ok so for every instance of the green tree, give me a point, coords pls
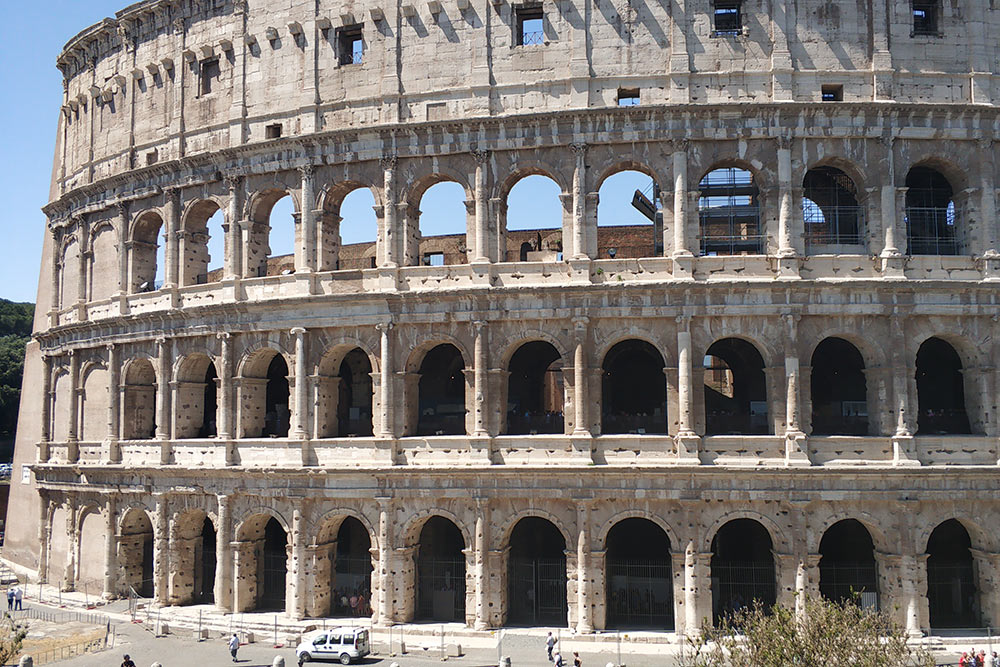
(828, 634)
(15, 332)
(12, 635)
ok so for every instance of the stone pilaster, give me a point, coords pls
(110, 550)
(224, 556)
(584, 600)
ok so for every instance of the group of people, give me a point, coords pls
(14, 597)
(980, 659)
(555, 656)
(353, 603)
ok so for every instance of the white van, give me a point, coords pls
(343, 644)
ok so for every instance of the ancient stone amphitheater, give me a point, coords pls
(784, 385)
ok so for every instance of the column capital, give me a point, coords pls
(480, 155)
(122, 208)
(580, 149)
(479, 325)
(233, 181)
(223, 335)
(297, 331)
(683, 322)
(679, 145)
(307, 170)
(388, 161)
(784, 142)
(580, 322)
(384, 327)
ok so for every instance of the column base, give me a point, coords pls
(893, 265)
(991, 266)
(904, 451)
(687, 446)
(579, 269)
(788, 267)
(388, 277)
(481, 271)
(481, 450)
(683, 267)
(583, 446)
(796, 449)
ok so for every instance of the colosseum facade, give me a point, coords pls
(785, 385)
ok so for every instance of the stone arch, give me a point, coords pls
(72, 267)
(442, 173)
(854, 170)
(193, 557)
(502, 537)
(91, 528)
(254, 518)
(196, 260)
(135, 550)
(616, 164)
(144, 242)
(635, 513)
(872, 351)
(195, 414)
(342, 572)
(332, 194)
(262, 200)
(418, 352)
(955, 173)
(139, 404)
(513, 343)
(335, 517)
(616, 336)
(981, 538)
(758, 174)
(866, 519)
(410, 534)
(966, 349)
(253, 362)
(259, 247)
(94, 379)
(772, 355)
(521, 170)
(345, 399)
(336, 348)
(778, 539)
(261, 577)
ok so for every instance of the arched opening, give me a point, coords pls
(440, 572)
(940, 390)
(358, 233)
(263, 391)
(443, 223)
(830, 210)
(634, 389)
(196, 398)
(536, 574)
(952, 593)
(629, 216)
(145, 254)
(272, 239)
(441, 389)
(135, 553)
(102, 270)
(638, 577)
(276, 412)
(930, 213)
(203, 244)
(204, 591)
(839, 389)
(272, 567)
(735, 389)
(742, 568)
(535, 390)
(534, 217)
(352, 578)
(729, 213)
(847, 567)
(354, 405)
(139, 408)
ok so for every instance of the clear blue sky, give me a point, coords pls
(36, 34)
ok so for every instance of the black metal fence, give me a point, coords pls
(640, 594)
(537, 591)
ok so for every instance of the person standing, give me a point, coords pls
(550, 643)
(127, 661)
(576, 659)
(10, 599)
(18, 596)
(234, 646)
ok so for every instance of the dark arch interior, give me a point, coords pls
(930, 213)
(735, 389)
(441, 572)
(276, 413)
(952, 593)
(354, 405)
(204, 589)
(940, 390)
(729, 213)
(536, 576)
(535, 390)
(839, 389)
(352, 578)
(136, 553)
(209, 427)
(742, 568)
(634, 389)
(847, 569)
(830, 208)
(639, 582)
(442, 392)
(272, 565)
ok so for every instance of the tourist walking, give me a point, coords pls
(18, 596)
(234, 646)
(127, 661)
(550, 643)
(10, 599)
(576, 659)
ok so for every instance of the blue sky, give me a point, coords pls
(36, 34)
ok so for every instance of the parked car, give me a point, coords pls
(343, 644)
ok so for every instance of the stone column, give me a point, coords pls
(161, 558)
(295, 606)
(307, 263)
(795, 439)
(300, 415)
(55, 286)
(114, 403)
(163, 430)
(69, 573)
(45, 436)
(390, 227)
(579, 205)
(988, 208)
(482, 578)
(584, 616)
(904, 450)
(224, 414)
(479, 379)
(385, 425)
(383, 612)
(988, 570)
(224, 556)
(680, 199)
(46, 507)
(72, 439)
(692, 580)
(233, 268)
(172, 234)
(687, 441)
(581, 419)
(124, 250)
(110, 552)
(482, 253)
(914, 584)
(786, 244)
